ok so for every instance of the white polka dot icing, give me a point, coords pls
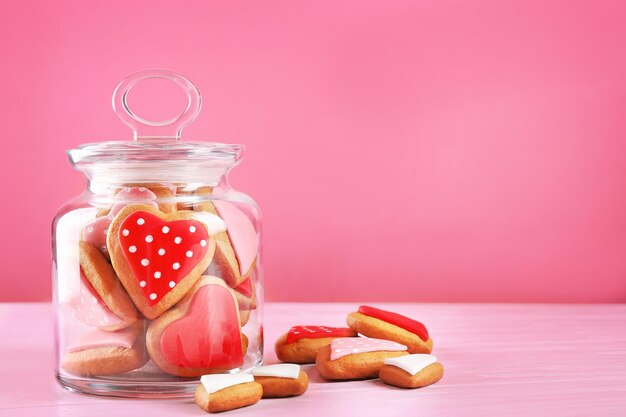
(281, 370)
(412, 364)
(344, 346)
(156, 249)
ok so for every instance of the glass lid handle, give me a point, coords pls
(148, 130)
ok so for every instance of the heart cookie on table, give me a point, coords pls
(100, 299)
(374, 322)
(201, 334)
(159, 257)
(236, 248)
(100, 353)
(301, 343)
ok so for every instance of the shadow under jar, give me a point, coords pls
(156, 267)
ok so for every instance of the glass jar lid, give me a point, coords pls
(156, 149)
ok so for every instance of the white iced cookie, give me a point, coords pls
(222, 392)
(281, 380)
(411, 371)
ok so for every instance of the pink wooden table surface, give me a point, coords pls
(500, 359)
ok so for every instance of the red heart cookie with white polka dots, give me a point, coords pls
(158, 256)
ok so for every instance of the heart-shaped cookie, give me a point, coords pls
(236, 248)
(99, 299)
(158, 256)
(201, 334)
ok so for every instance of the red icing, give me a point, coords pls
(245, 288)
(316, 332)
(157, 261)
(396, 319)
(208, 336)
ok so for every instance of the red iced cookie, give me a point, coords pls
(316, 332)
(158, 257)
(201, 334)
(399, 320)
(381, 324)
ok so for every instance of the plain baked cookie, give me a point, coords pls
(281, 380)
(158, 257)
(374, 322)
(223, 392)
(301, 343)
(411, 371)
(356, 357)
(100, 353)
(103, 289)
(201, 334)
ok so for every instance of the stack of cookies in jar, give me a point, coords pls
(162, 279)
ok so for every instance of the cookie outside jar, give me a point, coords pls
(157, 274)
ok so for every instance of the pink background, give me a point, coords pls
(400, 150)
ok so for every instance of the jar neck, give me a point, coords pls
(103, 179)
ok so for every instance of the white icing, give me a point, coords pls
(176, 266)
(213, 223)
(216, 382)
(177, 240)
(412, 363)
(281, 370)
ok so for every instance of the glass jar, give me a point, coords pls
(157, 272)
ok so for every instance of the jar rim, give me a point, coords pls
(154, 151)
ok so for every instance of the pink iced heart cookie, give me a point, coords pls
(89, 308)
(99, 353)
(237, 247)
(158, 256)
(95, 232)
(132, 195)
(99, 299)
(201, 334)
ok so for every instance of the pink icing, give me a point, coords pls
(89, 308)
(95, 233)
(130, 195)
(241, 233)
(98, 338)
(351, 345)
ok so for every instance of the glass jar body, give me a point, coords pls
(156, 284)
